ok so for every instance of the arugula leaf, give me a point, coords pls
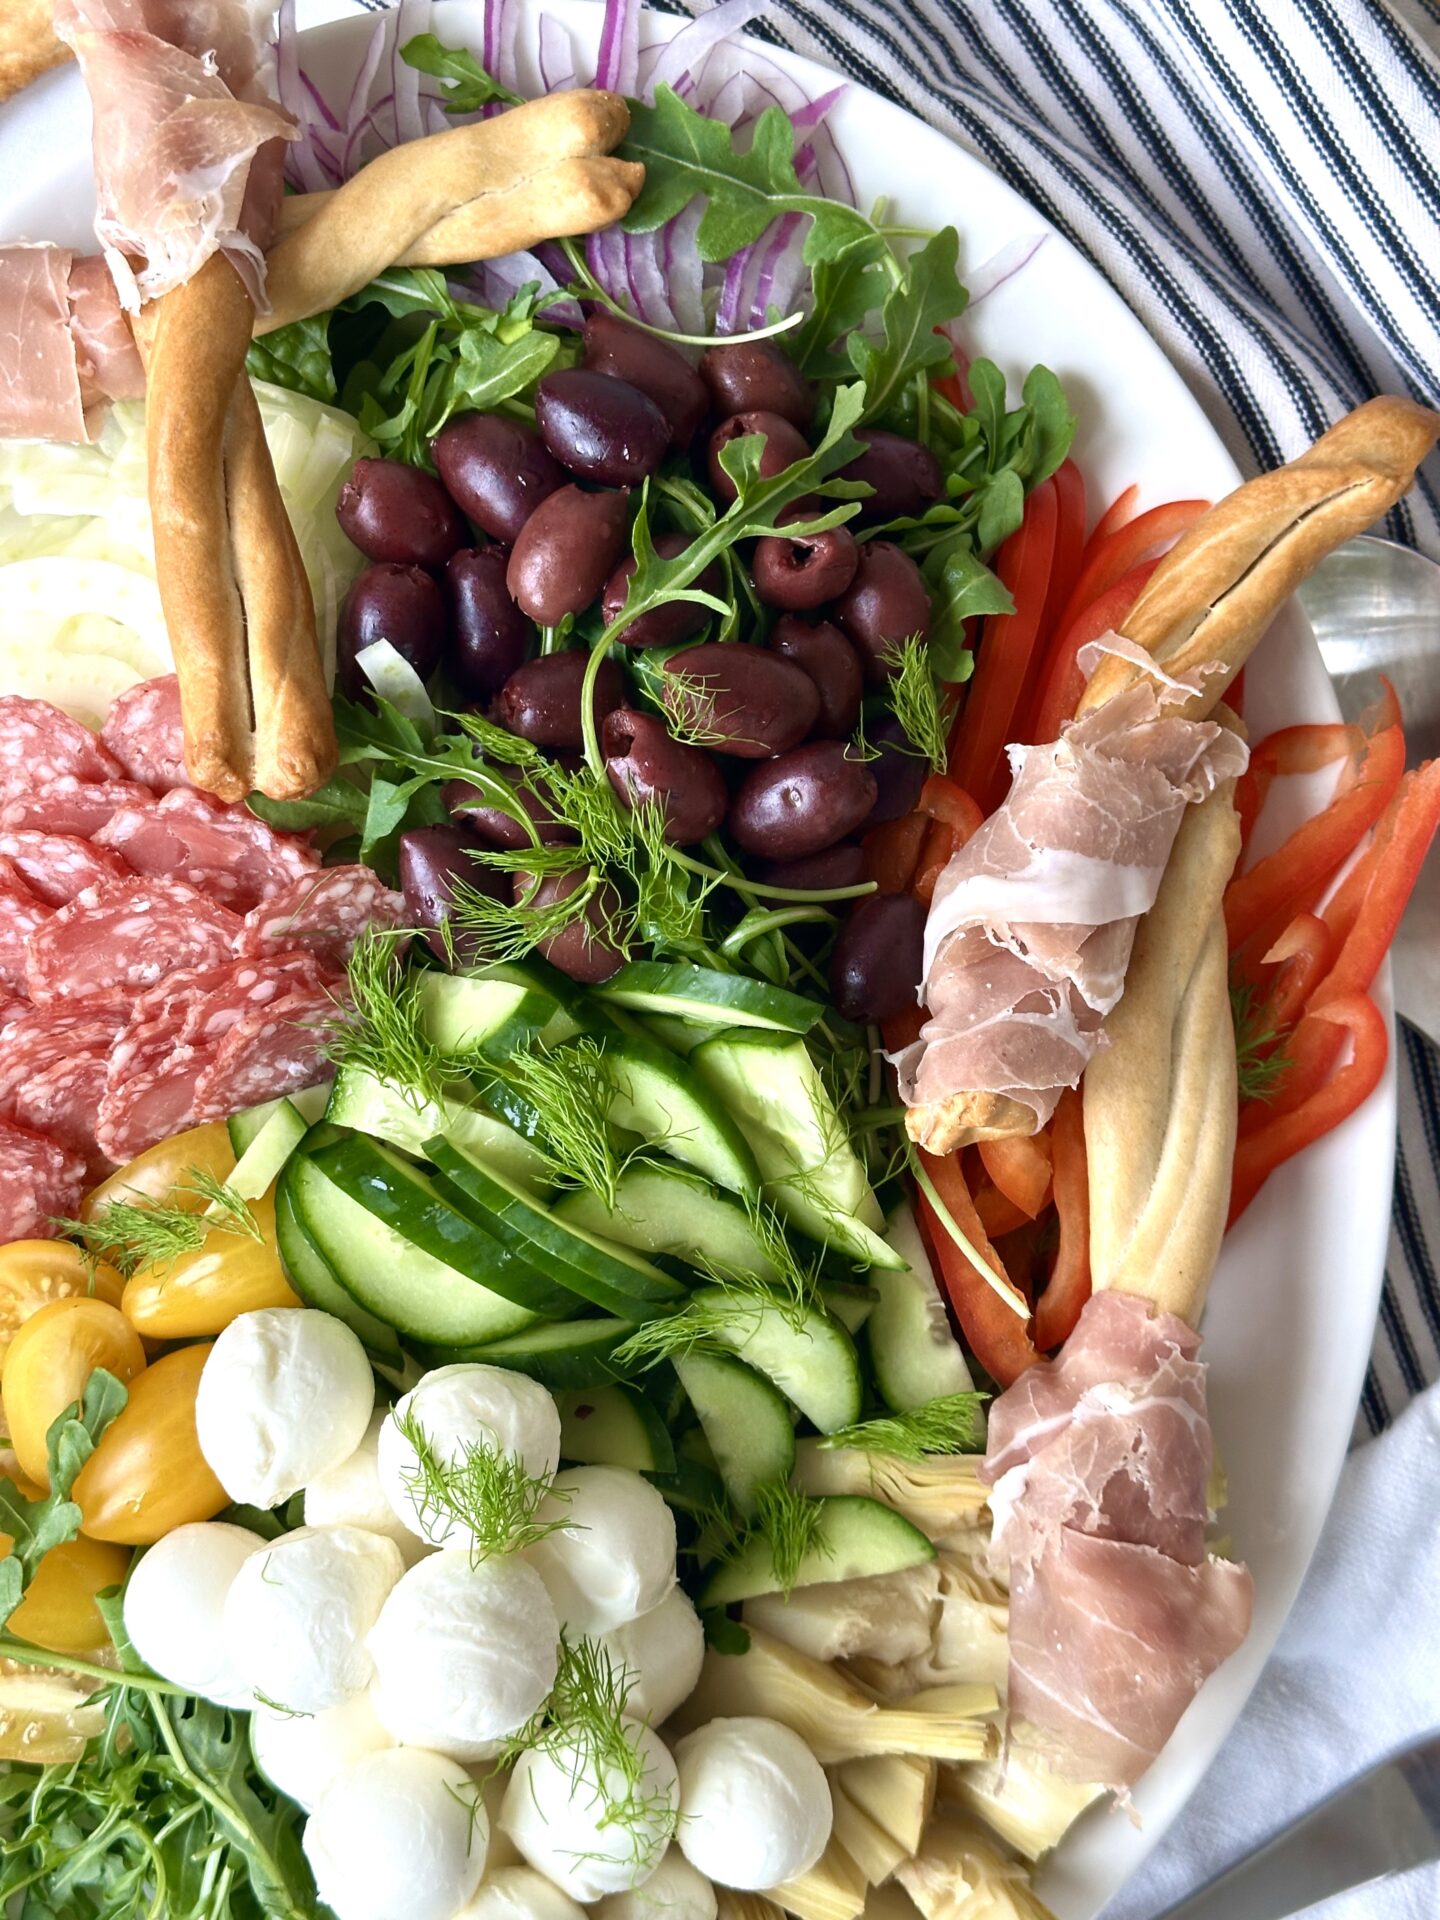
(296, 356)
(467, 86)
(35, 1526)
(339, 803)
(487, 370)
(928, 294)
(844, 289)
(961, 587)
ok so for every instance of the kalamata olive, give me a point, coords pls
(497, 828)
(899, 769)
(801, 803)
(886, 603)
(876, 965)
(389, 602)
(583, 949)
(802, 571)
(842, 866)
(784, 445)
(613, 346)
(394, 512)
(822, 651)
(541, 700)
(602, 428)
(433, 862)
(489, 636)
(753, 375)
(646, 767)
(742, 700)
(498, 470)
(906, 476)
(565, 552)
(676, 620)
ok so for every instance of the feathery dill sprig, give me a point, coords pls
(571, 1091)
(382, 1031)
(1261, 1061)
(789, 1523)
(913, 695)
(488, 1492)
(954, 1423)
(131, 1234)
(494, 742)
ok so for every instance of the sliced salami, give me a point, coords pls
(126, 935)
(57, 866)
(325, 914)
(39, 1036)
(10, 1012)
(254, 983)
(42, 1179)
(268, 1051)
(39, 743)
(67, 804)
(149, 1089)
(144, 733)
(63, 1103)
(228, 852)
(21, 916)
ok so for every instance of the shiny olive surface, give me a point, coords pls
(541, 700)
(493, 826)
(821, 650)
(784, 445)
(613, 346)
(754, 376)
(647, 767)
(664, 626)
(886, 603)
(433, 862)
(496, 469)
(842, 866)
(742, 700)
(801, 803)
(489, 635)
(582, 949)
(601, 428)
(391, 602)
(876, 964)
(802, 571)
(906, 476)
(899, 770)
(391, 511)
(566, 551)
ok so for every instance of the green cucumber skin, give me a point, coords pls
(562, 1355)
(914, 1357)
(701, 993)
(815, 1365)
(261, 1162)
(614, 1427)
(673, 1212)
(746, 1422)
(857, 1537)
(312, 1279)
(383, 1110)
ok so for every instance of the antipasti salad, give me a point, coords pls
(571, 1336)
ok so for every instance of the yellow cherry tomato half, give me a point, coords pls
(200, 1293)
(148, 1476)
(35, 1273)
(50, 1359)
(59, 1610)
(44, 1715)
(164, 1174)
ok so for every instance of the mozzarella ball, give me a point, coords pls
(757, 1803)
(399, 1832)
(519, 1893)
(675, 1891)
(464, 1654)
(661, 1653)
(284, 1396)
(458, 1409)
(350, 1495)
(613, 1556)
(562, 1815)
(175, 1608)
(298, 1614)
(301, 1753)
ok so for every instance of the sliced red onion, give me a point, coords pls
(411, 17)
(557, 56)
(732, 289)
(777, 282)
(307, 164)
(618, 64)
(395, 680)
(684, 269)
(671, 64)
(1003, 265)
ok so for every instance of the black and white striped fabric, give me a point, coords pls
(1260, 179)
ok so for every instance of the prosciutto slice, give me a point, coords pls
(1032, 922)
(65, 348)
(185, 163)
(1099, 1463)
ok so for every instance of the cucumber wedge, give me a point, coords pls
(666, 1210)
(309, 1103)
(913, 1354)
(811, 1360)
(851, 1305)
(496, 1012)
(559, 1354)
(745, 1420)
(407, 1120)
(313, 1281)
(613, 1427)
(259, 1165)
(681, 1036)
(856, 1538)
(658, 1096)
(703, 993)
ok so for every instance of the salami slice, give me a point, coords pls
(39, 1036)
(63, 1102)
(39, 743)
(326, 914)
(67, 804)
(248, 984)
(126, 935)
(57, 866)
(21, 916)
(144, 733)
(227, 852)
(268, 1051)
(149, 1089)
(42, 1179)
(10, 1012)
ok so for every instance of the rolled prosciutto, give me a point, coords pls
(1099, 1463)
(65, 346)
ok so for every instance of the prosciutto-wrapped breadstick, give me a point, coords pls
(65, 347)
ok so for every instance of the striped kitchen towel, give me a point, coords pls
(1260, 179)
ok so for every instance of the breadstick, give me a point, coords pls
(382, 211)
(574, 196)
(29, 44)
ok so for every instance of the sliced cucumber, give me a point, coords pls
(810, 1358)
(309, 1103)
(610, 1276)
(810, 1170)
(420, 1296)
(312, 1279)
(558, 1353)
(496, 1012)
(681, 1036)
(657, 1096)
(913, 1354)
(258, 1167)
(666, 1210)
(746, 1422)
(704, 993)
(613, 1427)
(692, 1489)
(851, 1306)
(406, 1119)
(401, 1194)
(856, 1537)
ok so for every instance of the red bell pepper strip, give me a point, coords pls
(1069, 487)
(1068, 1287)
(1111, 558)
(977, 743)
(1061, 682)
(950, 383)
(996, 1334)
(1392, 868)
(998, 1216)
(1302, 955)
(1284, 1134)
(1119, 513)
(953, 816)
(1304, 749)
(892, 852)
(1019, 1166)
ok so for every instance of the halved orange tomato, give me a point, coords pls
(36, 1273)
(50, 1359)
(199, 1293)
(162, 1175)
(147, 1475)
